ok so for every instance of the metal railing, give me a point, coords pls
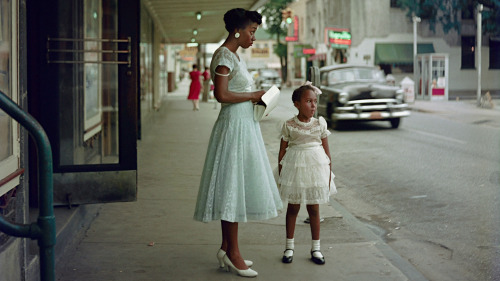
(44, 230)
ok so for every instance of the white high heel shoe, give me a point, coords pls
(220, 256)
(241, 272)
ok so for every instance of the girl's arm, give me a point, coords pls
(223, 95)
(283, 146)
(324, 143)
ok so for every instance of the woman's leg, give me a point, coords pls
(291, 218)
(230, 233)
(223, 246)
(313, 211)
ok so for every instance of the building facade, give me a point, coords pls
(380, 33)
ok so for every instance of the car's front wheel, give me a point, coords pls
(395, 122)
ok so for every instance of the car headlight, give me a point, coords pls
(400, 95)
(343, 97)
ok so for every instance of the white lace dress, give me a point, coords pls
(306, 177)
(237, 183)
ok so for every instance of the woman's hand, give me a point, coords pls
(257, 96)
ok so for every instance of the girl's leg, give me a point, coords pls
(313, 211)
(196, 104)
(230, 233)
(316, 255)
(291, 218)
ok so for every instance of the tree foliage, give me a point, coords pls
(448, 13)
(272, 13)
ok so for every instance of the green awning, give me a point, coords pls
(388, 53)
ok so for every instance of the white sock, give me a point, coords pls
(289, 246)
(316, 247)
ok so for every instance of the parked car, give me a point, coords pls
(359, 93)
(267, 78)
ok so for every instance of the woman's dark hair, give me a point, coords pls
(239, 18)
(297, 94)
(195, 66)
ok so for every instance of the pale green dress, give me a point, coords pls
(237, 183)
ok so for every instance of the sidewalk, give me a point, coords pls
(156, 238)
(463, 110)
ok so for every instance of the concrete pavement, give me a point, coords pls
(156, 238)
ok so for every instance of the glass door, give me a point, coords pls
(88, 98)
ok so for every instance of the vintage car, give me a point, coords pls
(359, 93)
(266, 78)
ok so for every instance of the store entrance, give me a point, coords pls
(82, 82)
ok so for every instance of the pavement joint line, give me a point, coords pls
(399, 262)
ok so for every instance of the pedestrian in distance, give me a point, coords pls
(195, 87)
(237, 183)
(206, 83)
(304, 170)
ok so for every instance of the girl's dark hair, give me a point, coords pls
(239, 18)
(297, 94)
(195, 66)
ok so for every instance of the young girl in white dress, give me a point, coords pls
(305, 175)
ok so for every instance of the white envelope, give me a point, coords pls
(269, 102)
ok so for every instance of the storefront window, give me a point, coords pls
(6, 141)
(146, 64)
(9, 146)
(88, 88)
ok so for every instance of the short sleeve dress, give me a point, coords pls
(195, 87)
(237, 183)
(306, 177)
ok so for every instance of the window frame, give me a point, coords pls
(10, 165)
(470, 62)
(494, 63)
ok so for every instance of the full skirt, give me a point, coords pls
(237, 183)
(306, 177)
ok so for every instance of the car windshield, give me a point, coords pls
(351, 74)
(268, 73)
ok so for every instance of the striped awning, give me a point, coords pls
(317, 57)
(388, 53)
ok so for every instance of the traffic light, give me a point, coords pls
(286, 15)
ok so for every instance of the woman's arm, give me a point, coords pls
(283, 146)
(223, 95)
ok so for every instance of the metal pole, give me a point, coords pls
(415, 21)
(479, 34)
(45, 228)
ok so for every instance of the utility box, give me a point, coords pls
(408, 88)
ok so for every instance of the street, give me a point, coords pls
(429, 189)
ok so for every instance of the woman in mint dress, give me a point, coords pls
(237, 183)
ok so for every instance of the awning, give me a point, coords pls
(387, 53)
(317, 57)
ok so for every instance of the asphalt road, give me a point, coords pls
(429, 188)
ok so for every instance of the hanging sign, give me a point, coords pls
(339, 38)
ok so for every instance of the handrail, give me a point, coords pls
(44, 230)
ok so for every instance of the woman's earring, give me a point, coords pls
(237, 35)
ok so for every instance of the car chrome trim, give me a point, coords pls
(384, 115)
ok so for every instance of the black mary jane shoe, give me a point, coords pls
(317, 260)
(286, 259)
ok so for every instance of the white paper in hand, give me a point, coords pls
(269, 102)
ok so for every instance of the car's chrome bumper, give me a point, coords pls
(371, 110)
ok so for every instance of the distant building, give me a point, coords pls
(380, 33)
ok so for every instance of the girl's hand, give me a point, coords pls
(256, 96)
